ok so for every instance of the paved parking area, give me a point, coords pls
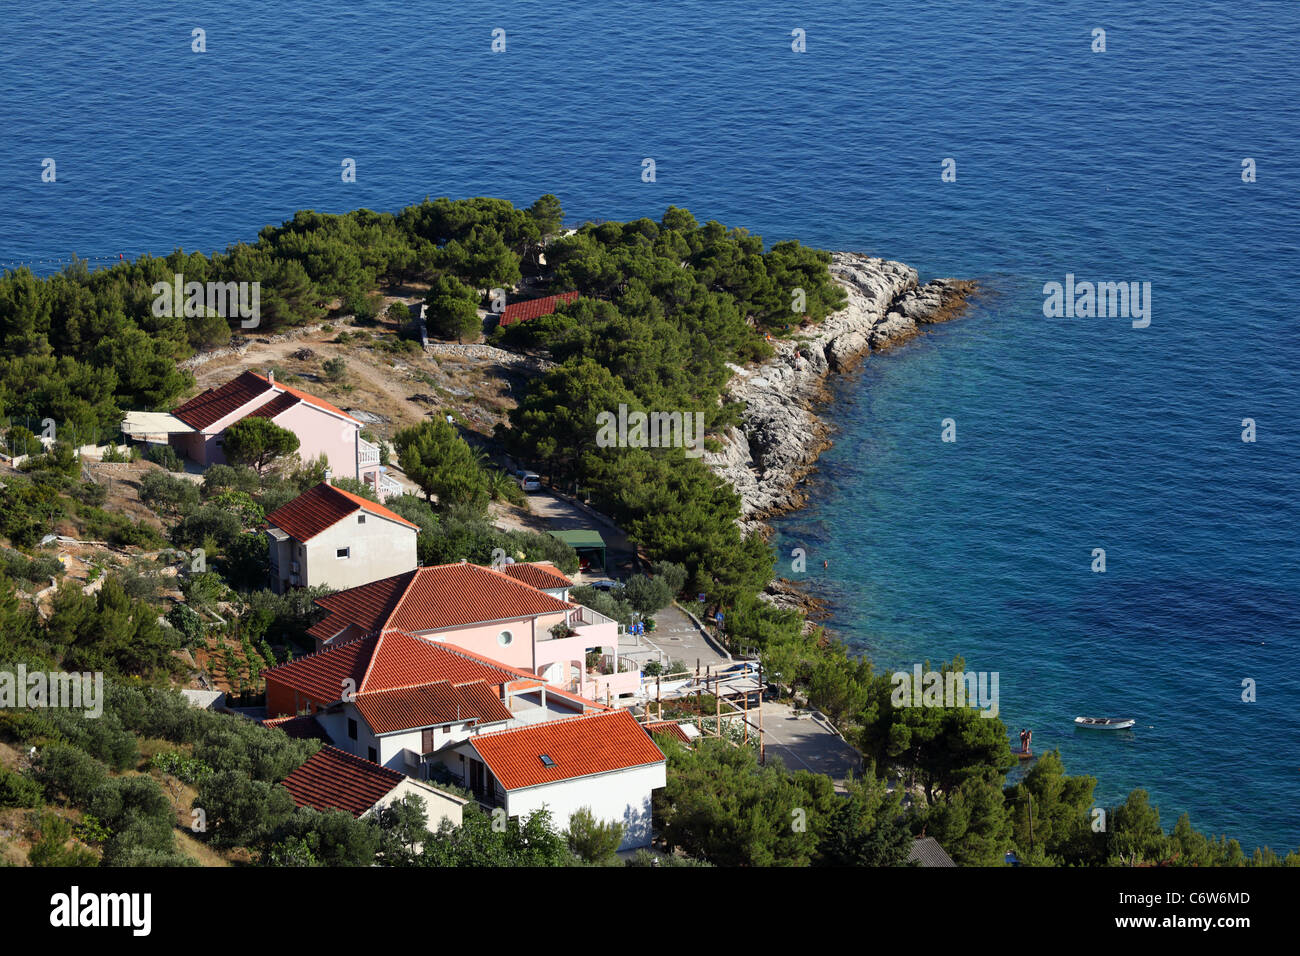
(678, 638)
(802, 743)
(805, 743)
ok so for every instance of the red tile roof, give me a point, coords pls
(534, 308)
(216, 403)
(321, 675)
(429, 599)
(302, 727)
(669, 727)
(454, 595)
(333, 779)
(577, 746)
(485, 702)
(281, 403)
(350, 633)
(378, 663)
(322, 507)
(313, 400)
(401, 660)
(409, 708)
(537, 574)
(367, 606)
(522, 676)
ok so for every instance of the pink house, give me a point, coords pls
(322, 429)
(492, 614)
(429, 709)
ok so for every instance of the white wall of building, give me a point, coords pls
(377, 548)
(438, 806)
(622, 796)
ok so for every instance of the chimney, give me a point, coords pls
(329, 473)
(270, 376)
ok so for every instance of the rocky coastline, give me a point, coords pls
(781, 434)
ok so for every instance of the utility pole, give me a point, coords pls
(1030, 797)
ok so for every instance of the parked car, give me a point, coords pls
(604, 584)
(530, 481)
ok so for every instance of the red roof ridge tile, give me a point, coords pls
(373, 507)
(321, 507)
(580, 746)
(549, 723)
(370, 664)
(336, 779)
(306, 397)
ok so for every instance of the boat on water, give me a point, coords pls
(1105, 723)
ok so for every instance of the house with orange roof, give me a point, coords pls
(394, 698)
(322, 429)
(409, 706)
(543, 575)
(604, 761)
(493, 613)
(332, 779)
(533, 308)
(328, 536)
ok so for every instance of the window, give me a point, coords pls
(342, 552)
(361, 519)
(373, 757)
(547, 761)
(352, 729)
(505, 638)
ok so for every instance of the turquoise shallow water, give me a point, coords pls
(1072, 434)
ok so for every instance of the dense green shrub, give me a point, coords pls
(187, 621)
(19, 791)
(166, 494)
(335, 838)
(242, 811)
(68, 772)
(164, 455)
(35, 570)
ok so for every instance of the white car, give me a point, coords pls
(530, 481)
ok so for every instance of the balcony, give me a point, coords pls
(588, 629)
(388, 487)
(612, 679)
(367, 454)
(384, 486)
(594, 628)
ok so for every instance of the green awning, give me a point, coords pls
(583, 539)
(587, 543)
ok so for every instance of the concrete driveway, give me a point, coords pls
(806, 743)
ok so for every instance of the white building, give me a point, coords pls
(334, 780)
(332, 537)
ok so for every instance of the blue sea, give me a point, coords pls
(1072, 433)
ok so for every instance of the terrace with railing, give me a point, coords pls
(367, 454)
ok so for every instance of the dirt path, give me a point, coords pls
(552, 512)
(395, 387)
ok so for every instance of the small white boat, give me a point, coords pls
(1105, 723)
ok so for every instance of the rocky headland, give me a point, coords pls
(781, 434)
